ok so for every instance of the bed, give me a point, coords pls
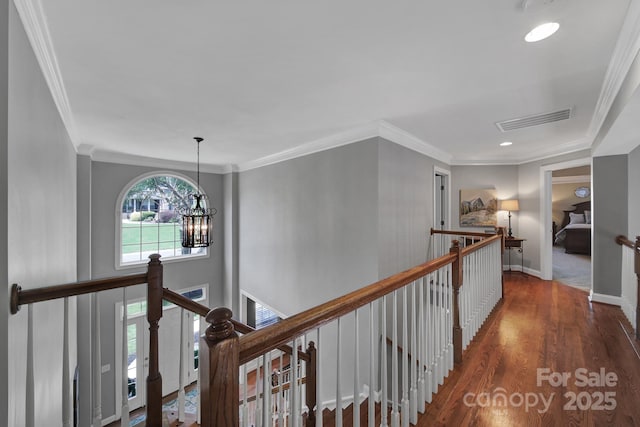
(575, 231)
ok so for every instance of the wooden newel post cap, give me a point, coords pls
(455, 244)
(220, 327)
(154, 259)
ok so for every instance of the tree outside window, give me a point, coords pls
(150, 220)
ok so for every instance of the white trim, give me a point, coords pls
(118, 221)
(577, 179)
(628, 309)
(243, 297)
(130, 159)
(34, 22)
(562, 149)
(445, 172)
(349, 136)
(623, 56)
(380, 128)
(605, 299)
(401, 137)
(109, 420)
(546, 253)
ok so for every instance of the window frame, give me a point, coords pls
(119, 264)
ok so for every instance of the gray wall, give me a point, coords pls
(107, 181)
(308, 227)
(41, 235)
(4, 206)
(405, 207)
(504, 179)
(610, 210)
(634, 193)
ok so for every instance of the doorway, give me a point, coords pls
(441, 199)
(547, 233)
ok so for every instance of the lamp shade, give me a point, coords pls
(509, 205)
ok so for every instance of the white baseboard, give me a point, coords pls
(518, 269)
(605, 299)
(629, 310)
(109, 420)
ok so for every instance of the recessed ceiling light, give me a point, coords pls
(541, 32)
(505, 144)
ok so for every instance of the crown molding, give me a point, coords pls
(379, 128)
(567, 148)
(624, 54)
(35, 24)
(401, 137)
(133, 160)
(356, 134)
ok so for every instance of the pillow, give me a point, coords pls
(576, 218)
(587, 217)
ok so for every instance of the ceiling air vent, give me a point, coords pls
(538, 119)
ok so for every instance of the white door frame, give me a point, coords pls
(546, 258)
(445, 172)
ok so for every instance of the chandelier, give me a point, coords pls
(197, 221)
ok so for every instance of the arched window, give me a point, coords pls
(149, 219)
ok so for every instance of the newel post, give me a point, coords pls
(456, 282)
(636, 263)
(220, 371)
(154, 313)
(311, 384)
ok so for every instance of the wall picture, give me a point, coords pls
(478, 208)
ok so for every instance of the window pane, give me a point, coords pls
(150, 219)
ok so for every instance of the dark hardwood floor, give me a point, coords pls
(541, 331)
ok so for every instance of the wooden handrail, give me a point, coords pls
(623, 241)
(263, 340)
(461, 233)
(481, 244)
(28, 296)
(202, 310)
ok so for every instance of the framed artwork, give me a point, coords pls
(478, 208)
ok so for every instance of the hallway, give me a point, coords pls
(546, 356)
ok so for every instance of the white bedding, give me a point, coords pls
(560, 235)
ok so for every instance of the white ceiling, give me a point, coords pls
(257, 78)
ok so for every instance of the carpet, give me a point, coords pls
(190, 407)
(572, 269)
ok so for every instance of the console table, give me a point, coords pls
(515, 243)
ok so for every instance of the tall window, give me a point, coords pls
(149, 219)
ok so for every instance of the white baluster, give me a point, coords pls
(338, 390)
(244, 415)
(356, 369)
(266, 389)
(30, 407)
(395, 401)
(66, 379)
(422, 353)
(293, 377)
(319, 406)
(429, 336)
(372, 367)
(258, 385)
(124, 418)
(405, 360)
(383, 363)
(416, 361)
(281, 403)
(181, 385)
(97, 362)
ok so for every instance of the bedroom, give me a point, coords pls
(571, 211)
